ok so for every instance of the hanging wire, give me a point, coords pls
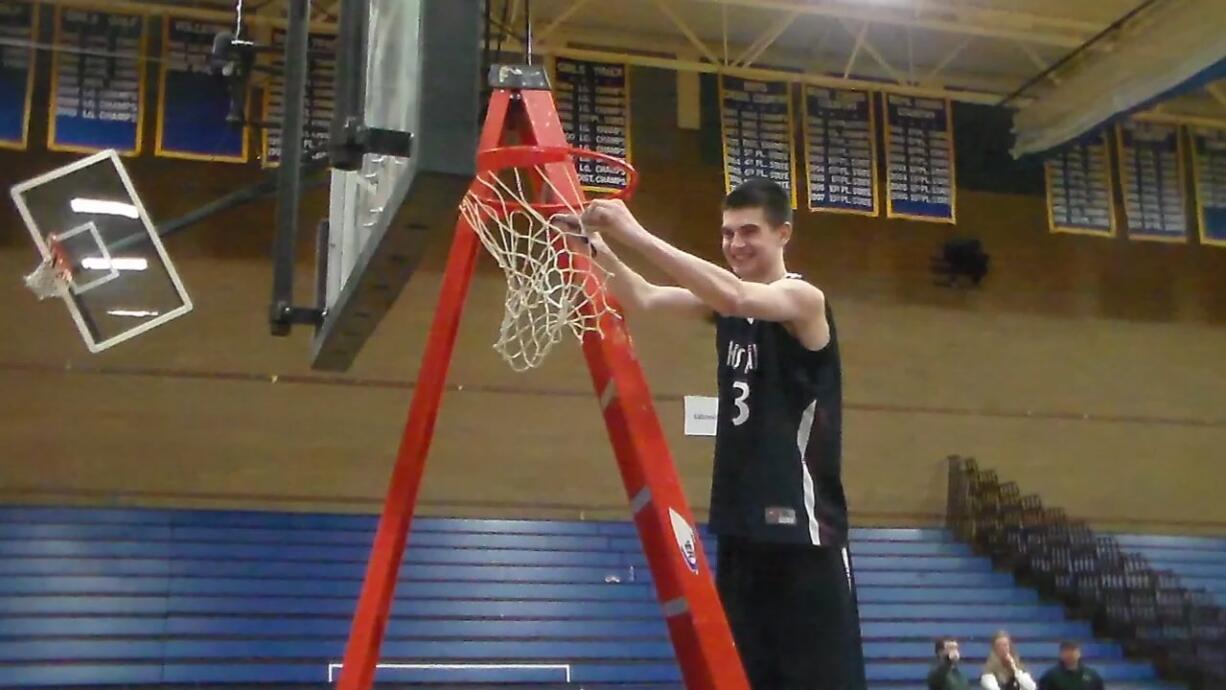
(238, 26)
(527, 32)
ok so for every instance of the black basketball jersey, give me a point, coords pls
(777, 474)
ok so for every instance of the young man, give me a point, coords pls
(1070, 673)
(946, 674)
(777, 503)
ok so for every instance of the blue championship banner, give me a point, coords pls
(97, 82)
(593, 100)
(1209, 169)
(1080, 194)
(919, 157)
(757, 131)
(1151, 177)
(192, 102)
(320, 95)
(840, 151)
(18, 29)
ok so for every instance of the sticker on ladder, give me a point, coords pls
(685, 539)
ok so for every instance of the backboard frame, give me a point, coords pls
(423, 202)
(18, 191)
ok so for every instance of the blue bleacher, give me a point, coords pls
(96, 597)
(1200, 562)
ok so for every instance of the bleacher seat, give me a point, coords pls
(1200, 562)
(164, 597)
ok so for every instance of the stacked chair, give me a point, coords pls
(1149, 612)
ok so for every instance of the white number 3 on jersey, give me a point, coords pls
(742, 409)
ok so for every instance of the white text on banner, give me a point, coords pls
(593, 100)
(98, 84)
(840, 150)
(19, 29)
(1080, 198)
(1151, 178)
(1209, 168)
(320, 95)
(919, 154)
(757, 131)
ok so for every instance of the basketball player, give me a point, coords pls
(777, 502)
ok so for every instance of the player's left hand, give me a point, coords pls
(612, 218)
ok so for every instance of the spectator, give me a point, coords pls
(1070, 673)
(946, 675)
(1003, 669)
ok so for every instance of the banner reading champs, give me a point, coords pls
(593, 100)
(757, 131)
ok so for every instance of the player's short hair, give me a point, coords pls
(759, 192)
(939, 645)
(1069, 644)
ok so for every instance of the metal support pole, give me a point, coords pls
(289, 184)
(349, 115)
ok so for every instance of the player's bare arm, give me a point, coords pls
(796, 303)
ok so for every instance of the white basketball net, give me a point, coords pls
(545, 290)
(50, 279)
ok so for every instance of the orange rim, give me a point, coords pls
(508, 157)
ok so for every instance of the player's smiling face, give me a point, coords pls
(753, 247)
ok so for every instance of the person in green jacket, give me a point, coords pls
(1070, 673)
(945, 674)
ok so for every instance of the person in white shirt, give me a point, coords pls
(1004, 669)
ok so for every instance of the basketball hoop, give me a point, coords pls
(52, 277)
(550, 288)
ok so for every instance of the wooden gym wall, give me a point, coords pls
(1089, 371)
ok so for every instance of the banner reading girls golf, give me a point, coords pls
(97, 82)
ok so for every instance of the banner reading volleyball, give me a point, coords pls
(593, 100)
(840, 150)
(757, 131)
(193, 103)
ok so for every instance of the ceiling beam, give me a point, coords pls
(168, 8)
(565, 14)
(670, 12)
(952, 55)
(855, 49)
(765, 41)
(966, 23)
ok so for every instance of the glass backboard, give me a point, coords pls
(423, 76)
(123, 283)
